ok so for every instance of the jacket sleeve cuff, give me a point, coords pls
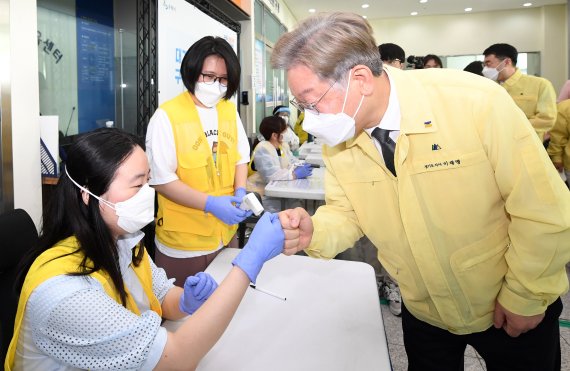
(523, 306)
(315, 248)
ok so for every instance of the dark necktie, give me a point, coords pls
(387, 145)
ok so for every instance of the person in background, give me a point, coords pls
(475, 67)
(289, 137)
(535, 96)
(559, 145)
(92, 298)
(432, 61)
(444, 174)
(564, 92)
(392, 55)
(302, 134)
(272, 160)
(198, 195)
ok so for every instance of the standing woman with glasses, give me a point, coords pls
(198, 153)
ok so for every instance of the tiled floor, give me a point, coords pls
(393, 327)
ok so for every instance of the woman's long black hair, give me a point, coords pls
(92, 162)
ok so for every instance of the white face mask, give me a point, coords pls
(209, 94)
(492, 72)
(332, 128)
(134, 213)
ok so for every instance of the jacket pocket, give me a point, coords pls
(227, 168)
(193, 169)
(527, 103)
(480, 269)
(411, 287)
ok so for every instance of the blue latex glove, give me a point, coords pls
(240, 193)
(197, 289)
(301, 172)
(266, 241)
(223, 209)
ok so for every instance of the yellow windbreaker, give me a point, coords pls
(477, 212)
(559, 146)
(536, 97)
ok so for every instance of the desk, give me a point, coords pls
(309, 147)
(311, 188)
(330, 321)
(315, 158)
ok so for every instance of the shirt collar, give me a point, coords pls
(125, 245)
(392, 116)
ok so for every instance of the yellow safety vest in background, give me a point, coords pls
(182, 227)
(62, 259)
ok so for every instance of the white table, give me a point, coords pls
(311, 188)
(330, 321)
(315, 158)
(309, 147)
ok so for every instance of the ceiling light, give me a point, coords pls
(423, 1)
(364, 17)
(364, 6)
(527, 4)
(414, 13)
(312, 10)
(468, 9)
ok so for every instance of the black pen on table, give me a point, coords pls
(267, 292)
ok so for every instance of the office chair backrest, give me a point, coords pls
(18, 235)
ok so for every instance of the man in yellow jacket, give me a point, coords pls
(466, 211)
(535, 96)
(559, 146)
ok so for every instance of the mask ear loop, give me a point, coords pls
(111, 205)
(347, 87)
(346, 97)
(504, 65)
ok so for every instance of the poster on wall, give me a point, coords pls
(180, 25)
(95, 63)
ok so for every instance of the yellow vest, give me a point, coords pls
(181, 227)
(54, 262)
(302, 134)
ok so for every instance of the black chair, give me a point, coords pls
(18, 235)
(243, 225)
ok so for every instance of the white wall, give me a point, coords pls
(282, 12)
(247, 52)
(25, 108)
(541, 30)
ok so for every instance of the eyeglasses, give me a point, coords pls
(209, 79)
(310, 106)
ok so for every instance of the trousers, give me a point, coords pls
(431, 348)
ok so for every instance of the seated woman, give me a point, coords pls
(272, 160)
(92, 298)
(289, 137)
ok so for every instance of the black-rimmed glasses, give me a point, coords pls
(209, 79)
(310, 106)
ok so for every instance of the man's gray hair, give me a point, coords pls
(329, 44)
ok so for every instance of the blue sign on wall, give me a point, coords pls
(95, 63)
